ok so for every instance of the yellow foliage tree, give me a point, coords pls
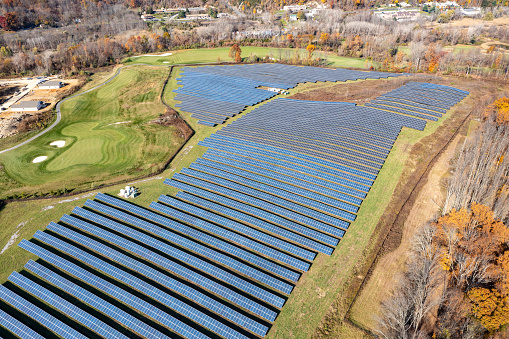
(473, 237)
(490, 307)
(311, 48)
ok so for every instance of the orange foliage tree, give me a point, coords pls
(474, 252)
(235, 53)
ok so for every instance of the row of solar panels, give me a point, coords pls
(204, 87)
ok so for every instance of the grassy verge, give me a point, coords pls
(108, 138)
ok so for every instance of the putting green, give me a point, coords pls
(109, 137)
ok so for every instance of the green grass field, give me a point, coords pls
(208, 55)
(108, 137)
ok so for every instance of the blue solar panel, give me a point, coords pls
(136, 283)
(188, 274)
(249, 231)
(87, 297)
(259, 261)
(156, 276)
(17, 327)
(65, 307)
(272, 218)
(38, 315)
(198, 248)
(109, 288)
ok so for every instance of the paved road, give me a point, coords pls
(59, 115)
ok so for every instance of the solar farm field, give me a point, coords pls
(108, 137)
(256, 233)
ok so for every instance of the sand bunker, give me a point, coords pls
(39, 159)
(166, 62)
(58, 143)
(154, 55)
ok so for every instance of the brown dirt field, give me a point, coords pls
(415, 200)
(388, 269)
(467, 22)
(7, 91)
(358, 92)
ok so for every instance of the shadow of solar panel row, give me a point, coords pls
(256, 217)
(289, 184)
(292, 193)
(156, 276)
(202, 250)
(17, 327)
(305, 236)
(246, 231)
(431, 96)
(238, 84)
(112, 290)
(338, 114)
(64, 306)
(394, 104)
(334, 163)
(206, 123)
(345, 152)
(37, 314)
(269, 206)
(402, 111)
(90, 299)
(285, 161)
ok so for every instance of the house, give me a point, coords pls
(27, 106)
(54, 84)
(198, 17)
(401, 15)
(148, 17)
(404, 4)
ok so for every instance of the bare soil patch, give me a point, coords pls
(6, 91)
(358, 92)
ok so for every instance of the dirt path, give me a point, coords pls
(427, 205)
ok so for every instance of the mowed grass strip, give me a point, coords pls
(108, 138)
(210, 55)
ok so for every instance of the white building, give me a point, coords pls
(27, 106)
(470, 11)
(294, 8)
(54, 84)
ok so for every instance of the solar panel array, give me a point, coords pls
(220, 259)
(215, 93)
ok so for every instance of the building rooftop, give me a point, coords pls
(51, 83)
(27, 104)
